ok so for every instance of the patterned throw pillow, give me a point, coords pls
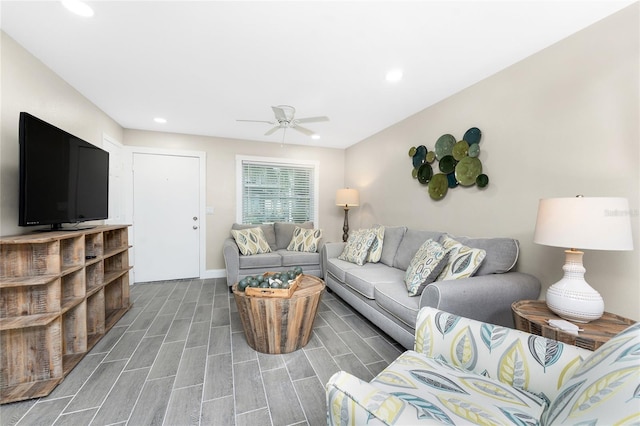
(375, 251)
(305, 240)
(357, 247)
(604, 389)
(463, 261)
(425, 266)
(251, 241)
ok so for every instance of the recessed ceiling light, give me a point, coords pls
(394, 75)
(78, 7)
(160, 120)
(315, 136)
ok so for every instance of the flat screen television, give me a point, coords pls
(63, 179)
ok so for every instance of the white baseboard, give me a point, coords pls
(214, 273)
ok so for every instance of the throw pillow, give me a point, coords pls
(305, 240)
(463, 261)
(375, 251)
(425, 266)
(251, 241)
(357, 247)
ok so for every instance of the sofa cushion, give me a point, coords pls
(364, 278)
(267, 229)
(251, 241)
(463, 261)
(393, 298)
(375, 251)
(425, 266)
(338, 268)
(392, 238)
(305, 240)
(284, 232)
(298, 258)
(410, 244)
(604, 389)
(445, 394)
(265, 260)
(357, 247)
(502, 253)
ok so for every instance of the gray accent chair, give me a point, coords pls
(377, 290)
(278, 236)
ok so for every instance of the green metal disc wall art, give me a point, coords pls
(458, 163)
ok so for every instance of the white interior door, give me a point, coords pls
(166, 222)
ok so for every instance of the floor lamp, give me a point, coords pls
(582, 223)
(346, 198)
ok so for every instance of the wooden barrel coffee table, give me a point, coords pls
(274, 325)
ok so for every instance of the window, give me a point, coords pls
(276, 190)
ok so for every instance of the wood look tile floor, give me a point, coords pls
(179, 357)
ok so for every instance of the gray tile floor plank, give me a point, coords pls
(167, 361)
(96, 388)
(45, 412)
(218, 412)
(192, 367)
(283, 401)
(77, 418)
(219, 340)
(309, 390)
(146, 353)
(184, 406)
(122, 398)
(151, 406)
(218, 380)
(180, 357)
(198, 334)
(160, 325)
(248, 387)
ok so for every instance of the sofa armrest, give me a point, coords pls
(329, 250)
(231, 255)
(333, 249)
(356, 402)
(486, 298)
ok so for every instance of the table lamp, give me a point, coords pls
(347, 198)
(594, 223)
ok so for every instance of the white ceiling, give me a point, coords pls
(204, 64)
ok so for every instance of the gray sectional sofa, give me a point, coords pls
(378, 292)
(280, 259)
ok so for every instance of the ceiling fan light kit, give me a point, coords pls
(285, 119)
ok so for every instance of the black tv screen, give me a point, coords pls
(63, 179)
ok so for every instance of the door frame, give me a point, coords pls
(128, 154)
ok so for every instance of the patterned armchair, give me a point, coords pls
(463, 371)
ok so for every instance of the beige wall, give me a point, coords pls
(221, 179)
(560, 123)
(28, 85)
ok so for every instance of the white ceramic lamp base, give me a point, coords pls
(571, 297)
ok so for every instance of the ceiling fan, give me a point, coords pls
(284, 119)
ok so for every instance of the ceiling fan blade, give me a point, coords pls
(279, 113)
(272, 130)
(258, 121)
(312, 119)
(303, 130)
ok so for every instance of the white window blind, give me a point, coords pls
(274, 192)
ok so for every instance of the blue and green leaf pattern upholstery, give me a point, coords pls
(463, 371)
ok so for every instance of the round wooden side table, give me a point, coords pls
(532, 316)
(277, 325)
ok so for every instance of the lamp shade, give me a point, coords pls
(347, 197)
(595, 223)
